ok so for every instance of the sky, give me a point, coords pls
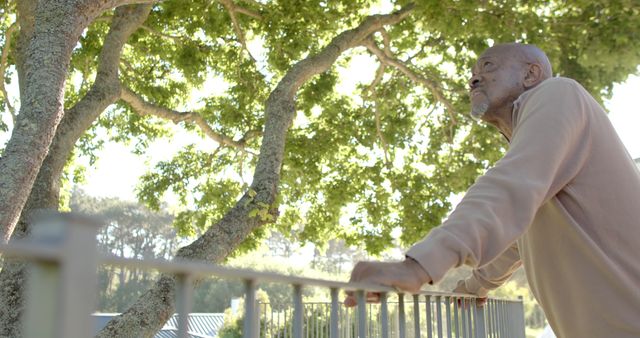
(625, 114)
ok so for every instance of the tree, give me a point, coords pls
(48, 32)
(357, 167)
(133, 231)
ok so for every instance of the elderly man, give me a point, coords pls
(563, 202)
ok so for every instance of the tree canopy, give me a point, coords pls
(358, 164)
(387, 155)
(300, 150)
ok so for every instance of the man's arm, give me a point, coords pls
(549, 147)
(492, 275)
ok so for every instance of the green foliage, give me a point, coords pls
(336, 180)
(233, 321)
(232, 327)
(374, 184)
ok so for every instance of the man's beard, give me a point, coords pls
(478, 110)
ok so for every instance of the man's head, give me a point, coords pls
(501, 74)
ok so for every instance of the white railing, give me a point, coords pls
(62, 287)
(427, 315)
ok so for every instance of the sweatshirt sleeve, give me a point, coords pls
(492, 275)
(549, 146)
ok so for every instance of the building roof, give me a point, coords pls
(171, 333)
(206, 324)
(201, 325)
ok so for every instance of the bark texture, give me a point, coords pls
(51, 31)
(56, 30)
(45, 193)
(153, 308)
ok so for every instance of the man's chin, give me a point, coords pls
(478, 111)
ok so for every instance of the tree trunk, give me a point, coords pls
(51, 31)
(46, 187)
(154, 307)
(57, 28)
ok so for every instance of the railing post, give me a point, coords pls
(502, 318)
(61, 295)
(520, 315)
(184, 301)
(447, 303)
(429, 319)
(40, 319)
(439, 315)
(249, 328)
(456, 322)
(416, 315)
(490, 319)
(402, 321)
(463, 316)
(496, 319)
(297, 311)
(384, 315)
(479, 320)
(511, 323)
(362, 313)
(334, 331)
(470, 318)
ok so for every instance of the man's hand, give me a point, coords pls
(407, 276)
(462, 288)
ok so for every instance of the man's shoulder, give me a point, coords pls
(556, 91)
(550, 85)
(551, 88)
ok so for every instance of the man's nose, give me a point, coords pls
(474, 81)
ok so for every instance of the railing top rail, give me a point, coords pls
(206, 269)
(32, 251)
(40, 251)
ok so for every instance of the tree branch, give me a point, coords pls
(232, 8)
(3, 69)
(383, 141)
(370, 94)
(177, 39)
(370, 91)
(142, 107)
(105, 5)
(402, 67)
(248, 12)
(386, 42)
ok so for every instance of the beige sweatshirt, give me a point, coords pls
(565, 202)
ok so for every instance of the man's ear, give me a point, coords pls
(533, 75)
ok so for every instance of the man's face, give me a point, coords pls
(496, 82)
